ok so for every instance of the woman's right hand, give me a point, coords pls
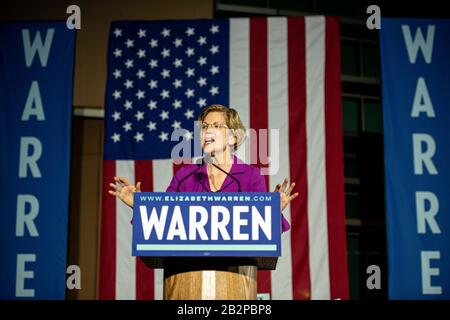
(123, 190)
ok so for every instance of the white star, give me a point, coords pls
(153, 84)
(164, 115)
(190, 52)
(176, 104)
(188, 135)
(214, 70)
(163, 136)
(127, 126)
(214, 90)
(141, 53)
(117, 53)
(117, 73)
(178, 42)
(128, 104)
(176, 125)
(178, 63)
(214, 29)
(165, 53)
(117, 94)
(214, 49)
(129, 63)
(140, 74)
(165, 33)
(201, 81)
(139, 115)
(153, 63)
(115, 137)
(189, 93)
(201, 41)
(116, 115)
(128, 84)
(142, 33)
(177, 83)
(151, 126)
(140, 94)
(165, 94)
(139, 136)
(190, 72)
(201, 61)
(153, 43)
(165, 73)
(201, 102)
(152, 105)
(190, 31)
(129, 43)
(189, 114)
(117, 32)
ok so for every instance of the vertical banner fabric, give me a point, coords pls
(36, 73)
(415, 60)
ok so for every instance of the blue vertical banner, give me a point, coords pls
(415, 61)
(36, 73)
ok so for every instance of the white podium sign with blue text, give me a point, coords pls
(206, 224)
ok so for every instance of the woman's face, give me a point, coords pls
(216, 136)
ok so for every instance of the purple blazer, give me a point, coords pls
(193, 178)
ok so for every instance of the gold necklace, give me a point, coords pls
(214, 185)
(211, 178)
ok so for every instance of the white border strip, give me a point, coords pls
(205, 247)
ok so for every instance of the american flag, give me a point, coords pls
(279, 73)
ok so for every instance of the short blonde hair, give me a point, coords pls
(232, 119)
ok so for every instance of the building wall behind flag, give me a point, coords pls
(89, 91)
(85, 186)
(91, 42)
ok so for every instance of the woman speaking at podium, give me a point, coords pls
(222, 132)
(187, 278)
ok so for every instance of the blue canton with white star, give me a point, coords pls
(161, 74)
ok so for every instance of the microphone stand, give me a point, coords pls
(190, 174)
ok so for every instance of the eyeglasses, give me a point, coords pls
(215, 126)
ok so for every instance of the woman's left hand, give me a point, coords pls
(285, 194)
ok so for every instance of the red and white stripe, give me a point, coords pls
(122, 276)
(285, 75)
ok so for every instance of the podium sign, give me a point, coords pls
(245, 224)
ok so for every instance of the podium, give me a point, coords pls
(209, 245)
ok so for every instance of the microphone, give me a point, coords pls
(211, 161)
(188, 175)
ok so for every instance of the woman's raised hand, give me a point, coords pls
(123, 190)
(285, 194)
